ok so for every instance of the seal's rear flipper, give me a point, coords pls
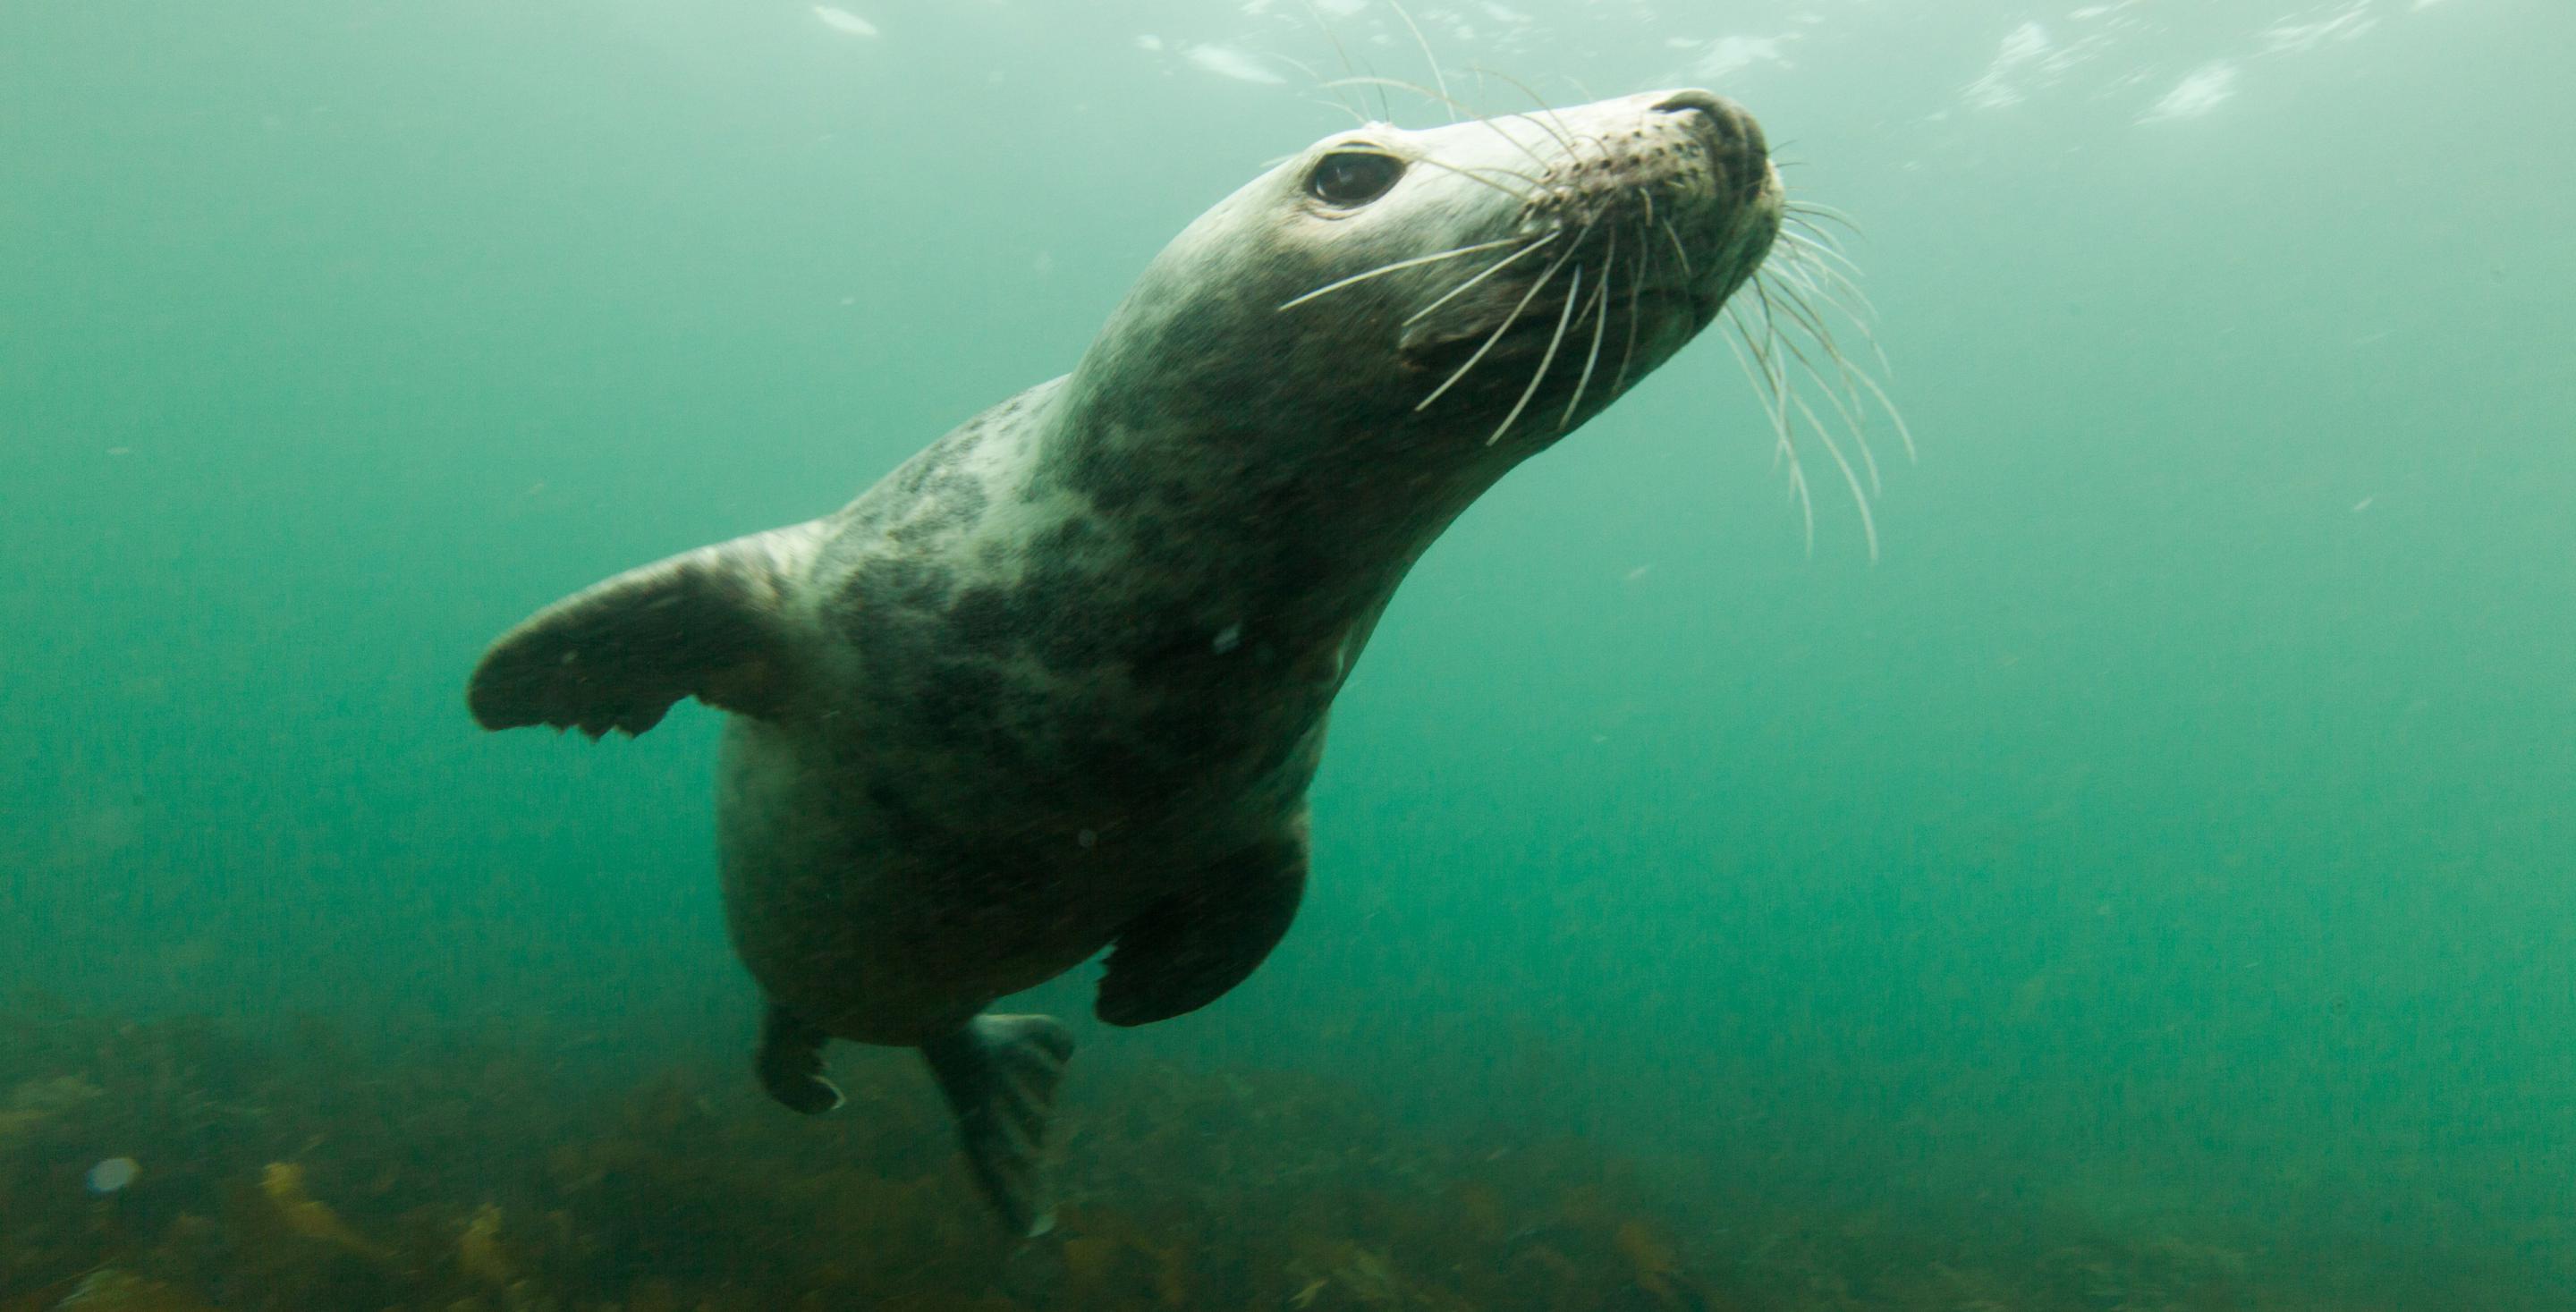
(1185, 951)
(999, 1075)
(617, 654)
(791, 1063)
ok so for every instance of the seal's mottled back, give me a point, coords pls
(1060, 681)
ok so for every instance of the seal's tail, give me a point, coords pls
(999, 1074)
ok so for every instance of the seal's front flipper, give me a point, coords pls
(617, 654)
(791, 1063)
(999, 1075)
(1189, 948)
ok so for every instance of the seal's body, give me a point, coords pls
(1060, 681)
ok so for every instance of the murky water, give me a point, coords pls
(2144, 887)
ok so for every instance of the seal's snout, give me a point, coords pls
(1731, 137)
(1689, 156)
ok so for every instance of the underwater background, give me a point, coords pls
(2146, 886)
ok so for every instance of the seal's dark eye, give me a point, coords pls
(1353, 177)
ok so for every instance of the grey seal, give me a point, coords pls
(1059, 682)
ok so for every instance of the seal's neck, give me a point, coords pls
(1298, 518)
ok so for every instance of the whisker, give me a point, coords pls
(1831, 295)
(1803, 315)
(1821, 252)
(1340, 52)
(1539, 375)
(1799, 313)
(1804, 206)
(1834, 394)
(1768, 382)
(1627, 352)
(1803, 276)
(1769, 390)
(1860, 500)
(1600, 323)
(1827, 212)
(1849, 413)
(1826, 283)
(1761, 380)
(1853, 375)
(1383, 269)
(1418, 89)
(1337, 102)
(1678, 249)
(1358, 119)
(1476, 175)
(1904, 434)
(1504, 327)
(1564, 136)
(1806, 504)
(1427, 56)
(1830, 240)
(1497, 267)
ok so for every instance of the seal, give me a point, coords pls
(1060, 681)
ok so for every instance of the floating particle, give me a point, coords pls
(842, 20)
(113, 1174)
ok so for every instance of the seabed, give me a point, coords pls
(482, 1172)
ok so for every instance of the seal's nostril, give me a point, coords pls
(1718, 121)
(1683, 101)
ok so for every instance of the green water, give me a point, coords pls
(2169, 833)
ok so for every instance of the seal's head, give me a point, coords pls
(1488, 284)
(1356, 344)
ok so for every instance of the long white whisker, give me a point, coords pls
(1903, 433)
(1832, 241)
(1427, 56)
(1824, 247)
(1828, 284)
(1418, 89)
(1810, 245)
(1357, 118)
(1600, 322)
(1476, 175)
(1499, 329)
(1839, 391)
(1773, 390)
(1383, 269)
(1804, 316)
(1340, 51)
(1802, 278)
(1679, 250)
(1860, 499)
(1825, 212)
(1317, 76)
(1801, 313)
(1813, 264)
(1539, 375)
(1497, 267)
(1766, 385)
(1761, 380)
(1628, 351)
(1806, 503)
(1564, 136)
